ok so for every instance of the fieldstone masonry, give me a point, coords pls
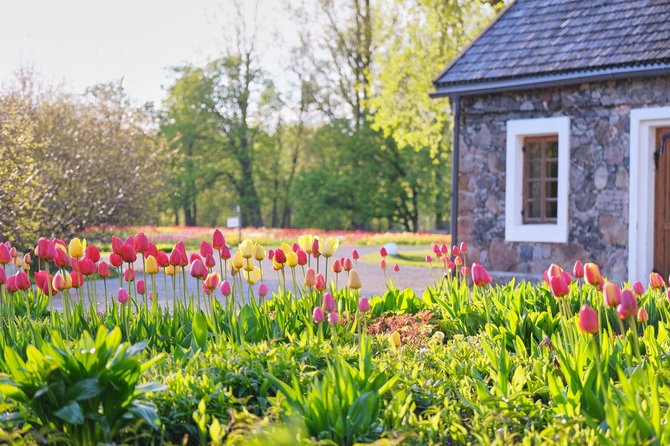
(599, 172)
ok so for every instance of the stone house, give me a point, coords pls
(560, 112)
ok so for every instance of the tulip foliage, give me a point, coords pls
(575, 358)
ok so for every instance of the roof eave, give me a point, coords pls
(546, 81)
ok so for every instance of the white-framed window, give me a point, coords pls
(537, 182)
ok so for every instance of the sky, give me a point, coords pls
(83, 42)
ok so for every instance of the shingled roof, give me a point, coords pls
(536, 41)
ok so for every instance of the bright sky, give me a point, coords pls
(83, 42)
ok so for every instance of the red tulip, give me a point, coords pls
(129, 275)
(43, 281)
(262, 290)
(382, 251)
(10, 284)
(280, 256)
(588, 320)
(271, 254)
(638, 288)
(209, 261)
(198, 269)
(22, 280)
(396, 268)
(318, 315)
(295, 247)
(218, 240)
(61, 260)
(336, 267)
(103, 270)
(93, 253)
(364, 305)
(87, 266)
(455, 250)
(302, 257)
(123, 296)
(141, 287)
(162, 259)
(141, 243)
(480, 276)
(225, 252)
(348, 265)
(77, 279)
(611, 294)
(558, 286)
(329, 303)
(182, 249)
(656, 280)
(206, 249)
(175, 257)
(578, 269)
(117, 243)
(354, 255)
(115, 260)
(194, 256)
(152, 251)
(42, 247)
(3, 276)
(225, 288)
(128, 253)
(315, 248)
(592, 274)
(320, 284)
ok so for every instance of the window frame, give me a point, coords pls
(543, 179)
(516, 229)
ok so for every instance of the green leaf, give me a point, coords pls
(84, 389)
(200, 331)
(71, 413)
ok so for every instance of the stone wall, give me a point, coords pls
(599, 172)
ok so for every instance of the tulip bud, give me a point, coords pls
(320, 284)
(93, 253)
(429, 259)
(59, 283)
(480, 276)
(592, 274)
(458, 261)
(611, 294)
(77, 279)
(558, 286)
(209, 261)
(638, 288)
(22, 280)
(225, 288)
(302, 257)
(141, 243)
(382, 264)
(292, 259)
(444, 250)
(262, 289)
(11, 284)
(306, 242)
(253, 276)
(329, 303)
(354, 280)
(465, 271)
(336, 267)
(259, 253)
(455, 250)
(115, 260)
(225, 252)
(151, 265)
(310, 277)
(212, 281)
(128, 253)
(75, 248)
(129, 275)
(396, 268)
(354, 255)
(383, 252)
(318, 315)
(578, 269)
(206, 249)
(464, 247)
(364, 305)
(333, 318)
(588, 320)
(117, 243)
(452, 266)
(295, 246)
(193, 257)
(86, 266)
(141, 287)
(642, 315)
(171, 270)
(394, 339)
(238, 261)
(247, 248)
(218, 240)
(315, 248)
(103, 270)
(656, 280)
(280, 256)
(198, 269)
(123, 296)
(328, 246)
(628, 305)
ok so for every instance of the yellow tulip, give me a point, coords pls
(249, 264)
(292, 259)
(68, 281)
(328, 246)
(75, 248)
(171, 270)
(238, 261)
(247, 248)
(354, 280)
(252, 276)
(286, 248)
(276, 265)
(259, 253)
(305, 242)
(394, 339)
(150, 265)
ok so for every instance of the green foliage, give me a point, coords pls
(89, 392)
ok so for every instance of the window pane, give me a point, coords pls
(534, 150)
(552, 209)
(534, 190)
(552, 189)
(552, 149)
(552, 169)
(535, 168)
(533, 209)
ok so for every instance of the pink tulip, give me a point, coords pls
(318, 315)
(628, 305)
(141, 243)
(464, 247)
(444, 250)
(382, 252)
(10, 284)
(336, 267)
(333, 318)
(152, 251)
(3, 276)
(103, 270)
(364, 305)
(656, 280)
(302, 257)
(93, 253)
(638, 288)
(354, 255)
(451, 265)
(280, 256)
(209, 261)
(429, 259)
(396, 268)
(182, 248)
(329, 303)
(315, 249)
(225, 252)
(480, 276)
(115, 260)
(263, 289)
(128, 253)
(295, 247)
(77, 279)
(212, 281)
(558, 286)
(225, 288)
(162, 259)
(465, 271)
(42, 281)
(271, 254)
(123, 296)
(22, 281)
(347, 265)
(592, 274)
(310, 277)
(642, 315)
(456, 251)
(194, 256)
(87, 266)
(198, 269)
(117, 243)
(320, 284)
(175, 257)
(218, 240)
(141, 287)
(611, 294)
(588, 320)
(458, 261)
(206, 249)
(578, 269)
(129, 275)
(382, 264)
(61, 260)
